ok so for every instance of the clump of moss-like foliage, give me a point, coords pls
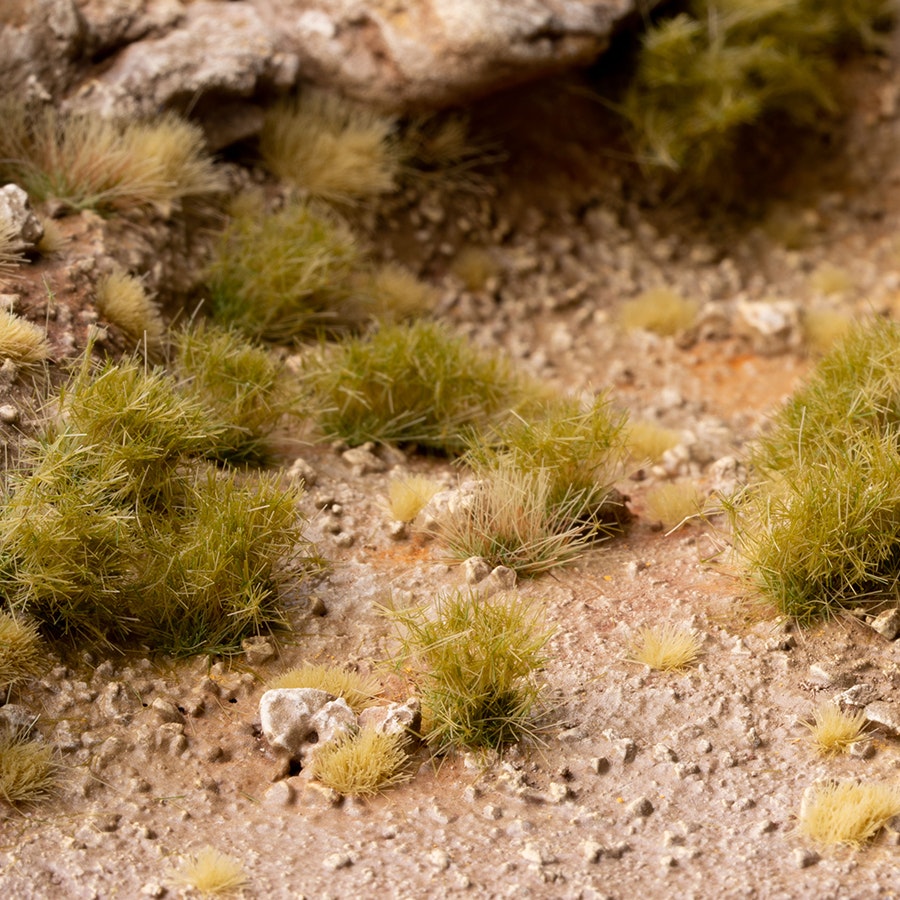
(89, 162)
(475, 660)
(544, 487)
(708, 75)
(415, 383)
(115, 529)
(279, 276)
(244, 389)
(821, 527)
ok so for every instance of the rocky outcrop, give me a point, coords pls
(210, 56)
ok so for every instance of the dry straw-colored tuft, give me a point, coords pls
(409, 494)
(397, 294)
(647, 441)
(358, 690)
(666, 647)
(834, 731)
(364, 763)
(123, 299)
(28, 768)
(672, 503)
(330, 147)
(659, 310)
(22, 341)
(21, 654)
(210, 871)
(847, 812)
(90, 162)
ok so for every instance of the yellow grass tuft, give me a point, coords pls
(835, 731)
(823, 328)
(362, 764)
(660, 310)
(21, 341)
(648, 441)
(665, 647)
(409, 494)
(846, 812)
(829, 279)
(123, 300)
(212, 872)
(673, 502)
(474, 267)
(358, 690)
(330, 148)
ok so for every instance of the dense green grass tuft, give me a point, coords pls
(278, 276)
(821, 528)
(242, 386)
(476, 661)
(413, 383)
(115, 529)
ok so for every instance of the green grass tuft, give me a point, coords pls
(242, 386)
(21, 653)
(544, 488)
(115, 530)
(475, 660)
(283, 275)
(820, 529)
(708, 76)
(413, 383)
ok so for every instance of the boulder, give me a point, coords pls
(216, 59)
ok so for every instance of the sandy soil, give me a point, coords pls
(661, 785)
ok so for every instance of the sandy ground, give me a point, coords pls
(643, 783)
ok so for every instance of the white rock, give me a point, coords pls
(395, 718)
(293, 719)
(887, 624)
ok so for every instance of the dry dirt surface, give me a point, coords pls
(643, 783)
